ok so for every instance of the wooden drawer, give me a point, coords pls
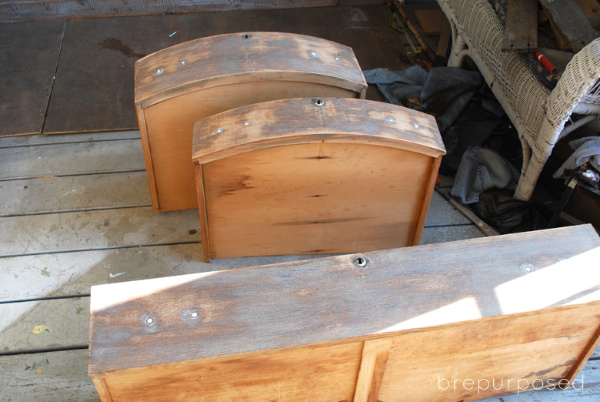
(314, 176)
(185, 83)
(410, 324)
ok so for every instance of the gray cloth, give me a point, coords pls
(443, 91)
(481, 169)
(586, 150)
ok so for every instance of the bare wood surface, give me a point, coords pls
(372, 367)
(315, 176)
(520, 30)
(121, 305)
(23, 10)
(28, 59)
(571, 21)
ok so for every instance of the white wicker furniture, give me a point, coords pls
(538, 114)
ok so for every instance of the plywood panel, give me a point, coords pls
(28, 58)
(20, 10)
(95, 79)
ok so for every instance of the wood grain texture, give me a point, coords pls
(44, 161)
(84, 230)
(245, 57)
(58, 376)
(520, 30)
(210, 75)
(94, 89)
(372, 367)
(315, 176)
(24, 10)
(491, 357)
(298, 121)
(28, 59)
(329, 299)
(569, 18)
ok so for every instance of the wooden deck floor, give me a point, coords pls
(75, 213)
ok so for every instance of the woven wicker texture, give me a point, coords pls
(538, 115)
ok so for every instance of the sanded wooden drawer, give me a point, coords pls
(185, 83)
(397, 325)
(314, 176)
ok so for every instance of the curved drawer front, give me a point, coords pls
(314, 176)
(185, 83)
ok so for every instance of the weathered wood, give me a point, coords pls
(58, 376)
(315, 176)
(520, 31)
(571, 21)
(47, 324)
(186, 83)
(30, 140)
(591, 9)
(69, 193)
(534, 307)
(28, 59)
(83, 158)
(94, 229)
(35, 10)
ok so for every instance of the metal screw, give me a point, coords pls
(360, 262)
(220, 131)
(390, 120)
(150, 321)
(159, 71)
(314, 54)
(318, 102)
(246, 36)
(337, 59)
(194, 315)
(246, 123)
(415, 125)
(182, 63)
(527, 268)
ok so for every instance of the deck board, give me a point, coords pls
(57, 376)
(79, 158)
(85, 230)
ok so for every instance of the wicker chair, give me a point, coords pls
(538, 114)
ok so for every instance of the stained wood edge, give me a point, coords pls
(102, 388)
(178, 78)
(148, 158)
(372, 367)
(100, 369)
(435, 167)
(585, 355)
(300, 121)
(199, 177)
